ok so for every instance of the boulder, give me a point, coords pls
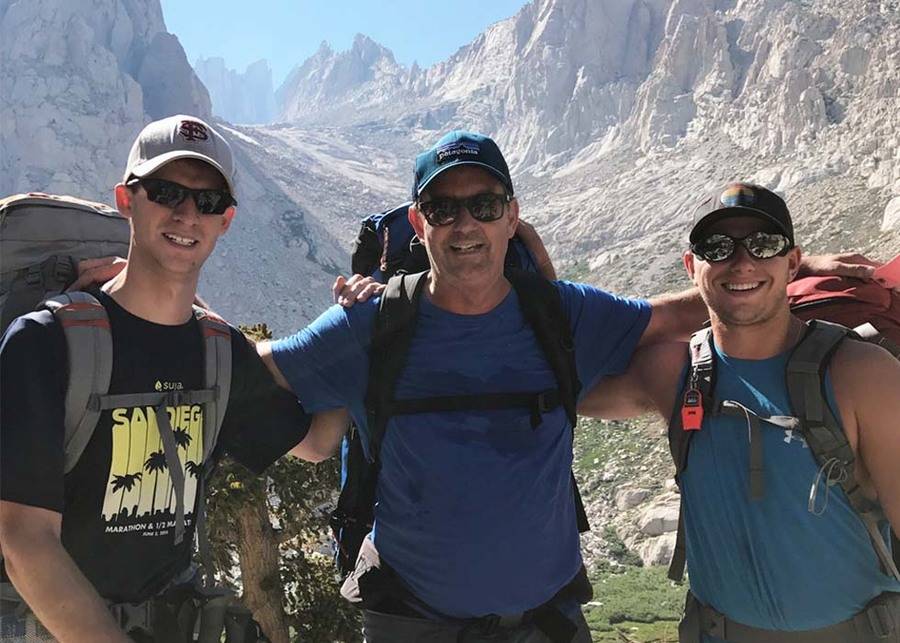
(628, 498)
(658, 550)
(660, 517)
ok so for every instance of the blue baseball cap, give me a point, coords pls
(460, 148)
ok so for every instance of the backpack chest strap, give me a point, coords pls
(153, 399)
(538, 403)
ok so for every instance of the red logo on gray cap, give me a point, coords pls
(193, 131)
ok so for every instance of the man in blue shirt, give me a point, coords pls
(775, 552)
(475, 511)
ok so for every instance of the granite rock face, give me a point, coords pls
(592, 101)
(76, 79)
(613, 114)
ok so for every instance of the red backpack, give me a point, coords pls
(849, 302)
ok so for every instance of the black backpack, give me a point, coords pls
(542, 308)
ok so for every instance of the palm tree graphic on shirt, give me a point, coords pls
(154, 464)
(124, 483)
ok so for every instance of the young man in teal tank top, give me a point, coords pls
(766, 565)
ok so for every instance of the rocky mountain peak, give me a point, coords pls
(328, 83)
(369, 51)
(246, 97)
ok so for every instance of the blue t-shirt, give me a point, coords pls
(770, 563)
(474, 510)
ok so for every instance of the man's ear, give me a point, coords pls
(227, 216)
(123, 199)
(513, 219)
(417, 221)
(794, 255)
(688, 259)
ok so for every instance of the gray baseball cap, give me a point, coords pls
(179, 137)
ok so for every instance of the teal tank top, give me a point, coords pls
(770, 563)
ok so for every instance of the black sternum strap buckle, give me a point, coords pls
(543, 402)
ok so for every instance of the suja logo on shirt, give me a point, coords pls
(168, 386)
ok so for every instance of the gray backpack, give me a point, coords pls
(42, 237)
(812, 417)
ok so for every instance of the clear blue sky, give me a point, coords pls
(286, 32)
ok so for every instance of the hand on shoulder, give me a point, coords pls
(97, 271)
(357, 288)
(846, 264)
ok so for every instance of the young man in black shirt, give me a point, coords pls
(104, 532)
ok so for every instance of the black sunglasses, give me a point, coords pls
(760, 245)
(171, 194)
(484, 207)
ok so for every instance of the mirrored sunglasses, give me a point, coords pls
(759, 245)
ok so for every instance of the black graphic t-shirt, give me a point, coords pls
(118, 502)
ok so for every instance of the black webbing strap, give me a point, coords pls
(701, 376)
(391, 338)
(755, 465)
(538, 403)
(679, 554)
(542, 308)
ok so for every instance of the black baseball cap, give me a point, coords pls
(742, 199)
(460, 148)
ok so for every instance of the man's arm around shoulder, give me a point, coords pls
(649, 384)
(676, 316)
(49, 580)
(327, 427)
(866, 380)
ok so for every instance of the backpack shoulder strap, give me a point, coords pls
(217, 373)
(85, 325)
(805, 379)
(824, 433)
(701, 379)
(391, 338)
(695, 399)
(543, 310)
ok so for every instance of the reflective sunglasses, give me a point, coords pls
(484, 207)
(759, 245)
(170, 194)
